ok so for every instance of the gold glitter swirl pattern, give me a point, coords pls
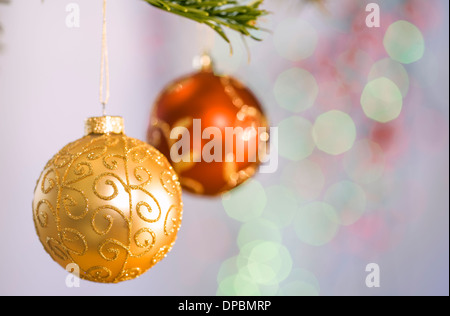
(107, 182)
(171, 218)
(142, 175)
(97, 152)
(61, 161)
(168, 181)
(48, 183)
(109, 203)
(56, 249)
(161, 254)
(142, 241)
(73, 241)
(82, 170)
(41, 216)
(149, 209)
(69, 202)
(109, 219)
(139, 154)
(110, 249)
(129, 274)
(97, 274)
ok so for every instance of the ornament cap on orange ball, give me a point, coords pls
(109, 203)
(206, 63)
(218, 102)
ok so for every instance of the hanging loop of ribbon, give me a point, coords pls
(104, 71)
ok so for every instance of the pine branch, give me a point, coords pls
(216, 14)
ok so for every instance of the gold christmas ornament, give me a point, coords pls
(109, 203)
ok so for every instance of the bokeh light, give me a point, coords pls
(298, 288)
(281, 205)
(227, 268)
(365, 163)
(348, 199)
(382, 100)
(316, 223)
(301, 283)
(306, 177)
(392, 70)
(295, 89)
(404, 42)
(265, 262)
(258, 229)
(298, 44)
(295, 138)
(238, 285)
(232, 281)
(239, 206)
(334, 132)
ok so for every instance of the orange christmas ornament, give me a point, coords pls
(211, 128)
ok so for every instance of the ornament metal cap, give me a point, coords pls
(204, 62)
(104, 125)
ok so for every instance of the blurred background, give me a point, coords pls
(363, 173)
